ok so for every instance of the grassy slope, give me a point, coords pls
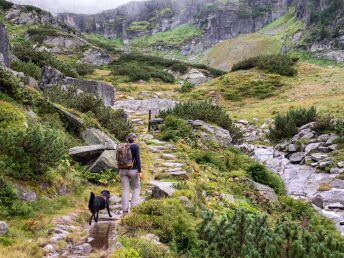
(266, 41)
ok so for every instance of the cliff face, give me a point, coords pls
(324, 21)
(217, 20)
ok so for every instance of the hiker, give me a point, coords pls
(129, 164)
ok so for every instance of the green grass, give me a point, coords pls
(103, 42)
(174, 37)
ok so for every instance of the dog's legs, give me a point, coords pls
(108, 210)
(90, 221)
(97, 216)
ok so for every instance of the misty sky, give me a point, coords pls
(74, 6)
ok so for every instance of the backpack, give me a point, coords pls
(124, 156)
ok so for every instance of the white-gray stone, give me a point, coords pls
(324, 149)
(323, 138)
(324, 164)
(84, 249)
(195, 77)
(340, 164)
(336, 170)
(96, 57)
(162, 189)
(333, 147)
(94, 136)
(3, 228)
(318, 156)
(292, 148)
(297, 157)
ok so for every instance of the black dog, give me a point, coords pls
(97, 203)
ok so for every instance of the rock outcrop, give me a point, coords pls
(143, 106)
(218, 20)
(63, 42)
(4, 47)
(96, 57)
(52, 77)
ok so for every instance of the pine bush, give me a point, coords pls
(28, 68)
(175, 129)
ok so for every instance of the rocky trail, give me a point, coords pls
(101, 237)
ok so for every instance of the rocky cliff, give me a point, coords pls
(324, 27)
(4, 54)
(217, 20)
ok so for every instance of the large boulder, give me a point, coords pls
(26, 195)
(161, 189)
(195, 77)
(52, 77)
(4, 47)
(93, 136)
(143, 106)
(85, 154)
(96, 57)
(63, 41)
(264, 191)
(212, 133)
(107, 160)
(297, 157)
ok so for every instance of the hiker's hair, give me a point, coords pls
(131, 137)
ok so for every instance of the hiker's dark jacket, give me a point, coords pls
(135, 151)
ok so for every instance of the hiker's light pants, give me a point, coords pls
(129, 176)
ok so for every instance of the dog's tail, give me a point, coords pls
(90, 202)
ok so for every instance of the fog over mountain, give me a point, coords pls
(74, 6)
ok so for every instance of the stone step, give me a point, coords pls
(168, 156)
(181, 173)
(172, 164)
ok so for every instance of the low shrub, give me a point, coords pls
(339, 128)
(207, 112)
(163, 75)
(126, 253)
(175, 129)
(115, 121)
(145, 248)
(186, 87)
(26, 53)
(261, 174)
(28, 68)
(26, 154)
(324, 124)
(39, 34)
(209, 158)
(5, 5)
(84, 69)
(277, 63)
(106, 177)
(285, 126)
(179, 67)
(11, 117)
(166, 218)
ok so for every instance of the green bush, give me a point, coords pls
(186, 87)
(26, 53)
(11, 117)
(106, 177)
(261, 174)
(207, 112)
(175, 129)
(84, 69)
(163, 75)
(250, 235)
(7, 193)
(26, 154)
(28, 68)
(209, 158)
(285, 126)
(277, 63)
(179, 67)
(166, 218)
(115, 121)
(5, 5)
(339, 128)
(39, 34)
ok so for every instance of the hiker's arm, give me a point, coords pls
(137, 159)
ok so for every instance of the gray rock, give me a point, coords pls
(63, 41)
(335, 206)
(318, 156)
(107, 160)
(84, 154)
(307, 126)
(96, 57)
(31, 82)
(324, 164)
(292, 148)
(324, 149)
(340, 164)
(227, 197)
(48, 248)
(323, 138)
(75, 121)
(168, 156)
(93, 136)
(309, 135)
(185, 201)
(179, 173)
(26, 195)
(3, 228)
(332, 140)
(143, 106)
(297, 157)
(52, 77)
(84, 249)
(118, 246)
(336, 170)
(265, 191)
(318, 201)
(161, 189)
(333, 147)
(195, 77)
(212, 133)
(4, 46)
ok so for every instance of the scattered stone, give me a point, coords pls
(297, 157)
(307, 126)
(331, 140)
(3, 228)
(26, 195)
(335, 206)
(314, 164)
(147, 137)
(324, 164)
(161, 189)
(57, 237)
(324, 149)
(292, 148)
(178, 173)
(309, 135)
(84, 249)
(168, 156)
(118, 246)
(31, 82)
(333, 147)
(336, 171)
(195, 77)
(49, 248)
(138, 121)
(318, 156)
(153, 149)
(62, 190)
(340, 164)
(172, 164)
(185, 201)
(227, 197)
(323, 138)
(153, 238)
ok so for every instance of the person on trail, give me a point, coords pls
(129, 164)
